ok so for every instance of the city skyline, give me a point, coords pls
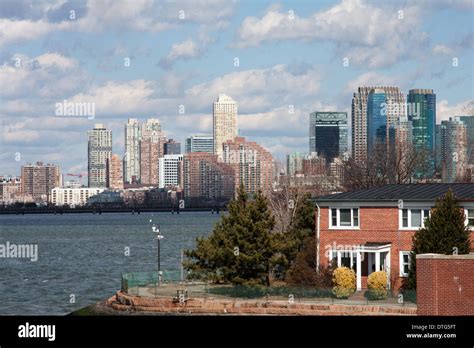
(169, 69)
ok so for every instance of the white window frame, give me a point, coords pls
(401, 263)
(466, 210)
(338, 218)
(410, 228)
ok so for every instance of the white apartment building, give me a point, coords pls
(99, 153)
(73, 196)
(169, 170)
(224, 122)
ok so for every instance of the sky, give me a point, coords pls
(171, 59)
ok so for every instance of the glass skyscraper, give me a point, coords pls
(328, 134)
(376, 119)
(421, 105)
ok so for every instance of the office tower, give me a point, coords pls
(99, 152)
(172, 147)
(394, 109)
(294, 163)
(38, 180)
(200, 143)
(169, 170)
(205, 177)
(454, 149)
(421, 105)
(10, 188)
(224, 122)
(115, 171)
(376, 119)
(252, 164)
(469, 122)
(131, 160)
(328, 134)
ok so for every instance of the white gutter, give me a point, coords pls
(317, 238)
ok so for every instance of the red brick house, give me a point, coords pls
(370, 230)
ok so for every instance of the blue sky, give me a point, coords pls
(289, 52)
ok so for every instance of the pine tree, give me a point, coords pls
(240, 248)
(444, 231)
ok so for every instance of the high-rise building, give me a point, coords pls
(403, 138)
(253, 165)
(422, 113)
(115, 171)
(204, 177)
(151, 150)
(376, 119)
(454, 149)
(224, 122)
(38, 180)
(294, 163)
(131, 160)
(172, 147)
(200, 143)
(145, 140)
(469, 122)
(394, 109)
(170, 171)
(98, 154)
(328, 134)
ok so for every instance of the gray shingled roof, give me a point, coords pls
(407, 192)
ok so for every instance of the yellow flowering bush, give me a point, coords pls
(344, 281)
(377, 285)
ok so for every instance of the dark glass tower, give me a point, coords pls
(376, 119)
(421, 104)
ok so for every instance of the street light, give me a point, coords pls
(159, 237)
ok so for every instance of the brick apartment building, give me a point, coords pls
(372, 229)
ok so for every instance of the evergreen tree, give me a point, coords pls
(444, 230)
(240, 248)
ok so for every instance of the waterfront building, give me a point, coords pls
(131, 160)
(98, 154)
(170, 171)
(73, 196)
(10, 188)
(115, 172)
(38, 180)
(253, 165)
(204, 177)
(224, 122)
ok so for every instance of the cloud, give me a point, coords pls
(366, 34)
(49, 75)
(370, 79)
(183, 50)
(444, 111)
(34, 19)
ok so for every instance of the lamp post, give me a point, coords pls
(159, 237)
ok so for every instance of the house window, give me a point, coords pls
(413, 218)
(405, 259)
(344, 217)
(470, 217)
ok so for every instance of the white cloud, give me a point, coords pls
(183, 50)
(363, 32)
(444, 111)
(370, 79)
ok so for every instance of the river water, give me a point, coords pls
(81, 257)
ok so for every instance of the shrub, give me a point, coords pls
(344, 281)
(377, 285)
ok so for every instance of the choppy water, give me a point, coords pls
(84, 255)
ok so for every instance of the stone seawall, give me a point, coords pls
(165, 305)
